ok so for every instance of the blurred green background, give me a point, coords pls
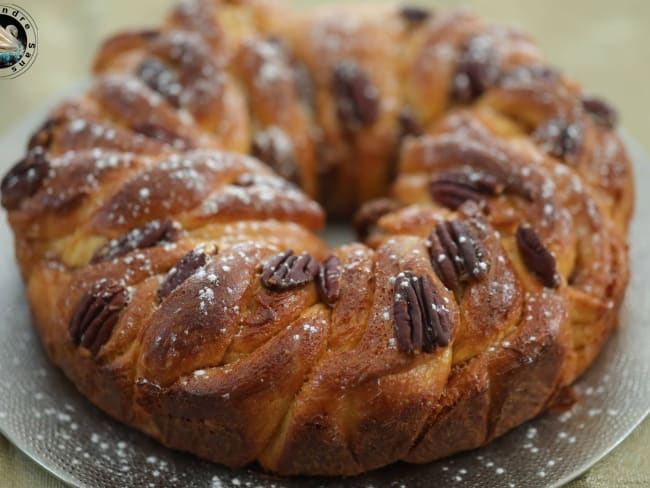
(602, 43)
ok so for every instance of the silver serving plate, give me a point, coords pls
(42, 413)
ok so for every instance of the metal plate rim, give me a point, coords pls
(23, 127)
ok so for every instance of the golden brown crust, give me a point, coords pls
(157, 258)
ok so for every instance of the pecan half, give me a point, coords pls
(273, 147)
(186, 267)
(457, 254)
(414, 14)
(601, 111)
(537, 257)
(44, 134)
(477, 69)
(96, 314)
(24, 179)
(421, 318)
(329, 280)
(526, 73)
(284, 271)
(370, 212)
(355, 96)
(151, 234)
(164, 135)
(559, 138)
(452, 188)
(160, 78)
(247, 180)
(408, 124)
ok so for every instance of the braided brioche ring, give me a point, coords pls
(179, 282)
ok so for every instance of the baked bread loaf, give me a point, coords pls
(165, 224)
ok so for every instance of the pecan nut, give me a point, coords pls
(537, 257)
(186, 267)
(247, 180)
(477, 70)
(273, 147)
(96, 315)
(24, 179)
(151, 234)
(527, 73)
(370, 212)
(44, 135)
(559, 138)
(457, 254)
(422, 320)
(329, 280)
(414, 14)
(408, 124)
(601, 111)
(160, 78)
(453, 188)
(285, 271)
(355, 96)
(164, 135)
